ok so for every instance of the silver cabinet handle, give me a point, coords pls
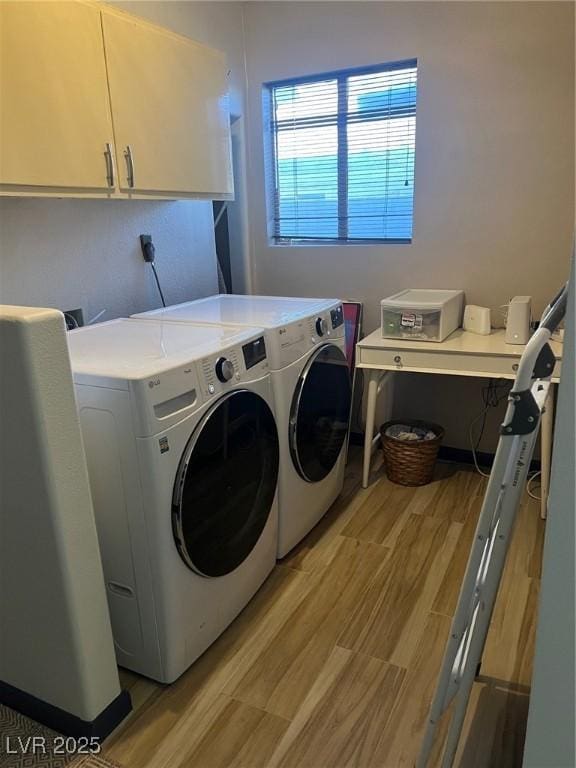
(109, 165)
(129, 165)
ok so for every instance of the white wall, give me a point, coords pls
(494, 174)
(494, 186)
(550, 737)
(86, 253)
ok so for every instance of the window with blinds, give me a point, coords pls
(340, 155)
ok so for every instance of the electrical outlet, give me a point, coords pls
(74, 318)
(147, 248)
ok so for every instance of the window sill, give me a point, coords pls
(332, 243)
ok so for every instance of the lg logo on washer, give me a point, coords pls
(154, 383)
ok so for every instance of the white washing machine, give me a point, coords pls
(312, 394)
(183, 458)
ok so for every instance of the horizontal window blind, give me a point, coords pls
(340, 155)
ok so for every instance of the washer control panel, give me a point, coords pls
(233, 365)
(254, 352)
(337, 316)
(326, 325)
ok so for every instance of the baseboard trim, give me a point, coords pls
(457, 455)
(464, 456)
(356, 438)
(64, 722)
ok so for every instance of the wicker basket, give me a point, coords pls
(410, 462)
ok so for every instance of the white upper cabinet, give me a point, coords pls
(94, 102)
(170, 110)
(55, 121)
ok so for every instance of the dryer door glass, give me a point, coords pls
(320, 413)
(226, 484)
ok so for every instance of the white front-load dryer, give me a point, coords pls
(305, 342)
(183, 459)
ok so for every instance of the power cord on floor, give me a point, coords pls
(482, 416)
(529, 484)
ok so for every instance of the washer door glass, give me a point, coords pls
(320, 413)
(226, 484)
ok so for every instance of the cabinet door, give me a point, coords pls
(169, 109)
(55, 119)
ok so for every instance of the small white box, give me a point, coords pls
(477, 319)
(421, 314)
(518, 320)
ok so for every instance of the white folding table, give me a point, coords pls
(461, 354)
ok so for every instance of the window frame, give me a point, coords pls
(270, 135)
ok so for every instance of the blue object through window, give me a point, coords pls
(340, 155)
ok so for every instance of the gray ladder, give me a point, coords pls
(518, 434)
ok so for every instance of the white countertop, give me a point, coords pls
(459, 342)
(461, 354)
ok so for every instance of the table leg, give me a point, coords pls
(546, 450)
(373, 382)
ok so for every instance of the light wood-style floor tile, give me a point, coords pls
(342, 719)
(447, 596)
(251, 736)
(424, 495)
(495, 728)
(281, 676)
(410, 712)
(382, 512)
(389, 621)
(525, 554)
(194, 693)
(509, 649)
(334, 662)
(452, 500)
(319, 546)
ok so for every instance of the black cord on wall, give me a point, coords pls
(158, 283)
(492, 394)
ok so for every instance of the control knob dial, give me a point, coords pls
(224, 369)
(321, 326)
